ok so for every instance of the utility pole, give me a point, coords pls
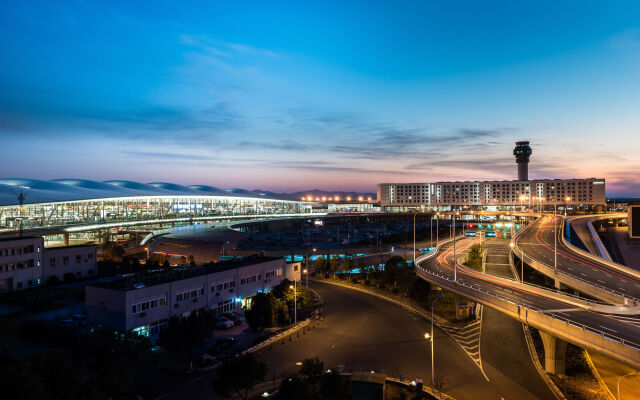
(455, 263)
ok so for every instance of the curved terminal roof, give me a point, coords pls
(60, 190)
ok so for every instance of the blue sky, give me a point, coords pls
(333, 95)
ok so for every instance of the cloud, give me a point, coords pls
(275, 145)
(323, 166)
(628, 39)
(217, 48)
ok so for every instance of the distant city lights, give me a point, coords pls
(335, 198)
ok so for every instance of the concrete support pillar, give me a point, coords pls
(559, 285)
(554, 353)
(66, 238)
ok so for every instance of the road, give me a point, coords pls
(538, 243)
(581, 228)
(604, 325)
(360, 329)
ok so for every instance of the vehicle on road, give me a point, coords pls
(234, 317)
(223, 323)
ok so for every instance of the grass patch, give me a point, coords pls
(578, 383)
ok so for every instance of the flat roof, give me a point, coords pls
(9, 239)
(178, 274)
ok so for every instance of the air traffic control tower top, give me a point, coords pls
(522, 153)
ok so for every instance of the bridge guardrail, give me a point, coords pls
(476, 288)
(619, 267)
(518, 250)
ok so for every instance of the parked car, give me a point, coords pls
(223, 323)
(233, 317)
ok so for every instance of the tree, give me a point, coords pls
(419, 290)
(332, 385)
(261, 314)
(186, 333)
(9, 332)
(112, 356)
(295, 387)
(347, 264)
(238, 375)
(312, 368)
(321, 264)
(474, 257)
(113, 251)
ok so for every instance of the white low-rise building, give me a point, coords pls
(25, 262)
(144, 303)
(62, 262)
(20, 263)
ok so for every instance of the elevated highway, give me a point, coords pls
(574, 267)
(559, 319)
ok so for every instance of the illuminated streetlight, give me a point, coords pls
(431, 338)
(295, 301)
(348, 198)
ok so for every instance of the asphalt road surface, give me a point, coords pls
(362, 330)
(604, 324)
(538, 243)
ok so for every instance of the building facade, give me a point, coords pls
(20, 263)
(144, 305)
(497, 194)
(63, 262)
(25, 262)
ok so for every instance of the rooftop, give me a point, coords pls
(63, 190)
(177, 274)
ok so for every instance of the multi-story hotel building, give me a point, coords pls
(496, 194)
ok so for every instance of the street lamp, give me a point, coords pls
(295, 301)
(455, 263)
(437, 227)
(414, 235)
(431, 338)
(567, 200)
(224, 244)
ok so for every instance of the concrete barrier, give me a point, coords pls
(571, 331)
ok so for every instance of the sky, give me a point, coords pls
(333, 95)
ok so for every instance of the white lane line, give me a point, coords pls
(609, 329)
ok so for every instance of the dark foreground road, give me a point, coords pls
(359, 329)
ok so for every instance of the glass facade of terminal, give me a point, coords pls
(141, 208)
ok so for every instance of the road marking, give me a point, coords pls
(609, 329)
(560, 310)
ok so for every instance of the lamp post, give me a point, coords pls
(431, 338)
(224, 244)
(455, 263)
(295, 301)
(437, 227)
(555, 238)
(566, 205)
(415, 214)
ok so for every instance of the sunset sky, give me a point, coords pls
(289, 96)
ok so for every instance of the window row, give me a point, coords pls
(189, 294)
(148, 305)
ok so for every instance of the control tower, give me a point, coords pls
(522, 153)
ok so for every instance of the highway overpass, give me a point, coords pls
(559, 318)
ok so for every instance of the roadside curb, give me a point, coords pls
(536, 362)
(595, 373)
